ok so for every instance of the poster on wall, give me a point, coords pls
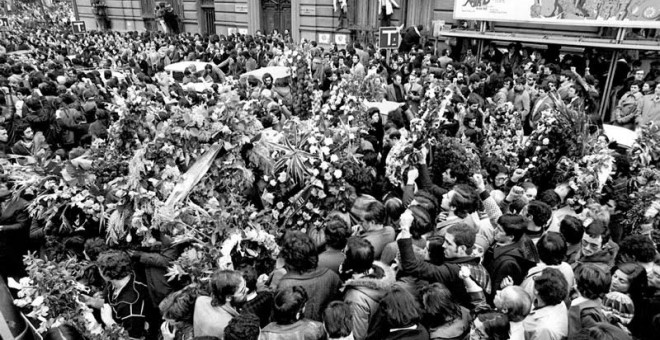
(341, 39)
(325, 38)
(606, 13)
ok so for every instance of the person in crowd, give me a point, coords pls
(443, 317)
(301, 262)
(597, 247)
(245, 326)
(625, 113)
(648, 108)
(638, 249)
(177, 309)
(402, 316)
(212, 313)
(125, 300)
(366, 284)
(258, 301)
(338, 321)
(337, 233)
(512, 256)
(592, 284)
(538, 217)
(572, 230)
(516, 304)
(552, 251)
(370, 215)
(489, 325)
(604, 331)
(289, 320)
(549, 317)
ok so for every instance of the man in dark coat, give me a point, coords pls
(513, 254)
(14, 234)
(410, 37)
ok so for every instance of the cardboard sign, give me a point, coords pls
(389, 37)
(78, 27)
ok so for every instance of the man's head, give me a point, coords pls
(337, 233)
(459, 241)
(28, 134)
(591, 281)
(539, 214)
(596, 235)
(550, 288)
(114, 265)
(637, 248)
(514, 302)
(244, 326)
(228, 286)
(299, 252)
(289, 305)
(397, 78)
(462, 200)
(639, 75)
(456, 173)
(400, 308)
(338, 320)
(359, 255)
(510, 228)
(552, 248)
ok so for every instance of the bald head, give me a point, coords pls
(513, 301)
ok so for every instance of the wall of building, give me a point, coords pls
(124, 15)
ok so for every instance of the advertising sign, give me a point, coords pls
(606, 13)
(78, 27)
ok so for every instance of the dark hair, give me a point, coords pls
(460, 171)
(114, 264)
(598, 228)
(551, 286)
(299, 252)
(179, 305)
(338, 319)
(550, 197)
(224, 284)
(513, 225)
(465, 200)
(400, 308)
(337, 233)
(250, 276)
(638, 247)
(359, 255)
(243, 327)
(496, 325)
(94, 247)
(439, 306)
(572, 229)
(464, 235)
(602, 331)
(375, 212)
(552, 248)
(540, 212)
(63, 332)
(288, 303)
(591, 281)
(637, 279)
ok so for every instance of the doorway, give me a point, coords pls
(275, 15)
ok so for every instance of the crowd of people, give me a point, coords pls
(483, 245)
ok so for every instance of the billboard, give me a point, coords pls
(606, 13)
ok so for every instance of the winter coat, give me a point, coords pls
(511, 260)
(364, 294)
(445, 273)
(457, 329)
(603, 259)
(300, 330)
(322, 286)
(584, 314)
(564, 268)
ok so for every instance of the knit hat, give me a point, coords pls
(619, 305)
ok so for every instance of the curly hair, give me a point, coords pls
(180, 305)
(465, 200)
(591, 281)
(540, 212)
(572, 229)
(114, 264)
(243, 327)
(288, 303)
(638, 247)
(338, 319)
(440, 307)
(299, 252)
(551, 286)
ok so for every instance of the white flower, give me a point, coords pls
(38, 301)
(315, 172)
(325, 165)
(337, 173)
(546, 141)
(328, 141)
(282, 177)
(534, 159)
(325, 150)
(334, 158)
(273, 182)
(312, 140)
(279, 205)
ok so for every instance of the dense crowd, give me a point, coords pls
(355, 196)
